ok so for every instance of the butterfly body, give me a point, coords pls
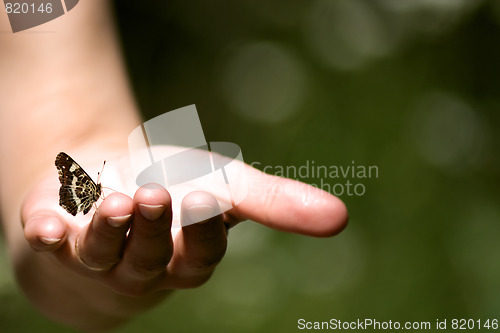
(78, 191)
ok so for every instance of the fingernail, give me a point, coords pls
(118, 221)
(49, 241)
(151, 212)
(197, 213)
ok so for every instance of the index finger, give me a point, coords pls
(292, 206)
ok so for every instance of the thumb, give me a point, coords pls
(291, 206)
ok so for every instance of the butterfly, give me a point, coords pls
(78, 191)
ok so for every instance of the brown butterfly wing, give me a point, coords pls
(78, 191)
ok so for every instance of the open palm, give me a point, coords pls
(128, 247)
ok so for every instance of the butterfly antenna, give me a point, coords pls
(98, 177)
(100, 173)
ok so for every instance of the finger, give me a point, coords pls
(101, 242)
(201, 244)
(292, 206)
(149, 244)
(44, 230)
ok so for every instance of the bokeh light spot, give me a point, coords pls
(344, 34)
(447, 131)
(263, 81)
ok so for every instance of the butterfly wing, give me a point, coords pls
(78, 191)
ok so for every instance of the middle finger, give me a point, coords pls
(149, 244)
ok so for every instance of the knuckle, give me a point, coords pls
(207, 234)
(274, 188)
(147, 268)
(107, 232)
(159, 232)
(209, 260)
(96, 261)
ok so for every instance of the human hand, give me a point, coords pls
(128, 247)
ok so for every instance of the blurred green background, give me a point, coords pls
(409, 86)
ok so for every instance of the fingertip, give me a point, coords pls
(198, 207)
(292, 206)
(335, 219)
(45, 232)
(152, 194)
(202, 243)
(322, 215)
(117, 209)
(153, 202)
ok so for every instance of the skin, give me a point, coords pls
(65, 89)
